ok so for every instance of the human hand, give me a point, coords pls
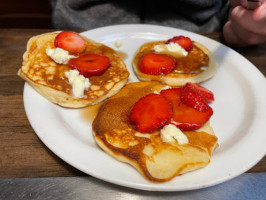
(245, 27)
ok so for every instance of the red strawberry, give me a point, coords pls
(89, 64)
(183, 41)
(70, 41)
(185, 117)
(194, 99)
(156, 64)
(203, 91)
(151, 112)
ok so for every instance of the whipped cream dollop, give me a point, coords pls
(170, 133)
(79, 83)
(60, 56)
(172, 48)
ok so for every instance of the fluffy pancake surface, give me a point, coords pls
(49, 79)
(198, 66)
(156, 160)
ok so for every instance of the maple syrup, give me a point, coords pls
(121, 54)
(89, 113)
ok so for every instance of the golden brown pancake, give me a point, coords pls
(49, 79)
(156, 160)
(198, 66)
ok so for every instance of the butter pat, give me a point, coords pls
(118, 43)
(79, 83)
(172, 48)
(59, 55)
(164, 88)
(170, 133)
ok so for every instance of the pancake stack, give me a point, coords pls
(49, 79)
(198, 66)
(156, 160)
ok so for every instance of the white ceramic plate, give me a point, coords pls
(238, 121)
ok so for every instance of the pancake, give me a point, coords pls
(198, 66)
(156, 160)
(49, 78)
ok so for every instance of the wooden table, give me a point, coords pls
(22, 154)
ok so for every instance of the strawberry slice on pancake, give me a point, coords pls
(155, 64)
(70, 41)
(90, 64)
(151, 112)
(185, 117)
(183, 41)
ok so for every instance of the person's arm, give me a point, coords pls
(245, 26)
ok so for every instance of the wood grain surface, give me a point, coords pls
(22, 154)
(25, 14)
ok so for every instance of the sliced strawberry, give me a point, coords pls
(70, 41)
(89, 64)
(203, 91)
(194, 99)
(183, 41)
(155, 64)
(151, 112)
(185, 117)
